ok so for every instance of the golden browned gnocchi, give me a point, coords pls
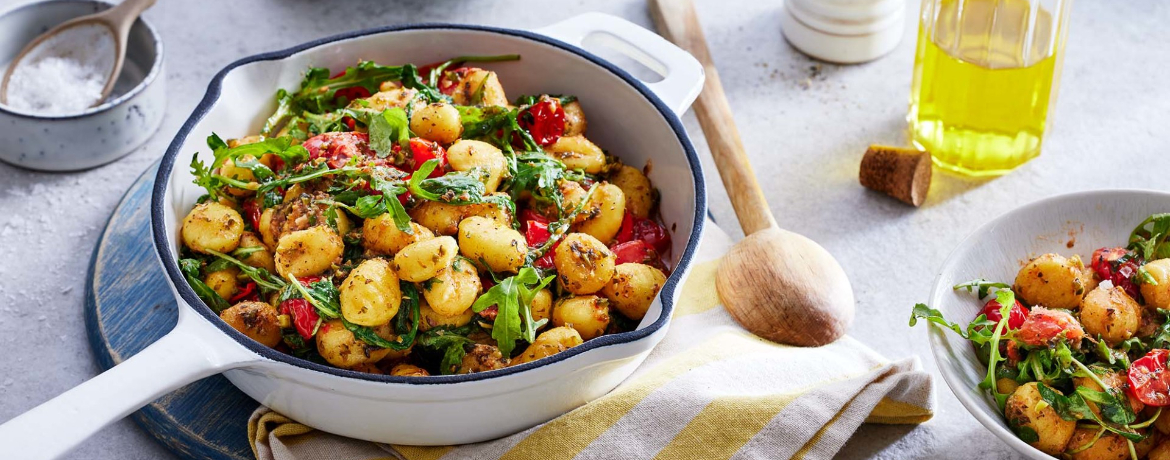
(370, 295)
(452, 291)
(392, 225)
(589, 315)
(468, 155)
(437, 122)
(485, 241)
(382, 236)
(1111, 314)
(341, 348)
(1052, 281)
(549, 343)
(212, 226)
(1157, 294)
(1089, 444)
(639, 194)
(1025, 408)
(577, 152)
(257, 320)
(308, 252)
(633, 288)
(584, 264)
(605, 211)
(421, 261)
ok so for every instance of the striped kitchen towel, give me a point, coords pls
(727, 394)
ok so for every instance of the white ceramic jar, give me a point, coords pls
(843, 31)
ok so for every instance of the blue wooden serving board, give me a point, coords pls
(128, 306)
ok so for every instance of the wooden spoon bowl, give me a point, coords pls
(789, 288)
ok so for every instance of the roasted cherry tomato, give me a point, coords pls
(253, 212)
(1016, 317)
(350, 93)
(338, 148)
(422, 150)
(653, 234)
(1043, 326)
(1148, 379)
(303, 314)
(1119, 266)
(544, 120)
(636, 251)
(626, 232)
(247, 293)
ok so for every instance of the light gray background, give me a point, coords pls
(805, 128)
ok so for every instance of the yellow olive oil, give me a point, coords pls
(985, 77)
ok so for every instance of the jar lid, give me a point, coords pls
(843, 31)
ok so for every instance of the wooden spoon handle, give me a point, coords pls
(676, 20)
(122, 15)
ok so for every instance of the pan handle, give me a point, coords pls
(682, 74)
(186, 354)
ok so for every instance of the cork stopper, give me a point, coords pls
(901, 173)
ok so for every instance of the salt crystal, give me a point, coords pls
(64, 74)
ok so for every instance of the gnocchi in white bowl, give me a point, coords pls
(551, 367)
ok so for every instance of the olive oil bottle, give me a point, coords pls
(985, 80)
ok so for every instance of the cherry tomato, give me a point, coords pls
(303, 314)
(528, 214)
(544, 120)
(536, 233)
(1119, 266)
(247, 293)
(652, 233)
(636, 251)
(1148, 379)
(1043, 326)
(626, 232)
(1016, 316)
(253, 212)
(338, 148)
(449, 80)
(350, 93)
(422, 150)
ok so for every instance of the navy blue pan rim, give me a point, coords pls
(158, 227)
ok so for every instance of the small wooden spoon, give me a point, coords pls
(117, 19)
(777, 284)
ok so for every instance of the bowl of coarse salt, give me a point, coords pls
(47, 120)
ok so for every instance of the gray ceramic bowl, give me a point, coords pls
(100, 134)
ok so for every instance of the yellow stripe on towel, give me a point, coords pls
(698, 294)
(724, 426)
(894, 412)
(422, 452)
(568, 435)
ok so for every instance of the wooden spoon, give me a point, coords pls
(117, 19)
(775, 283)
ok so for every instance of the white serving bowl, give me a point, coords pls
(636, 121)
(1090, 220)
(100, 134)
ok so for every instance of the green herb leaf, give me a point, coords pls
(1149, 238)
(984, 287)
(513, 300)
(433, 79)
(260, 276)
(451, 343)
(190, 269)
(390, 128)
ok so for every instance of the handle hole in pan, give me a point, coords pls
(625, 55)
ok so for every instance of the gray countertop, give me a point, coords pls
(805, 126)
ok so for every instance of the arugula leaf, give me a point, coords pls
(408, 314)
(451, 343)
(529, 100)
(433, 79)
(1070, 408)
(983, 285)
(285, 147)
(1113, 404)
(1047, 365)
(538, 174)
(1006, 299)
(458, 188)
(496, 125)
(260, 276)
(323, 295)
(513, 299)
(390, 190)
(411, 79)
(1149, 238)
(190, 269)
(390, 128)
